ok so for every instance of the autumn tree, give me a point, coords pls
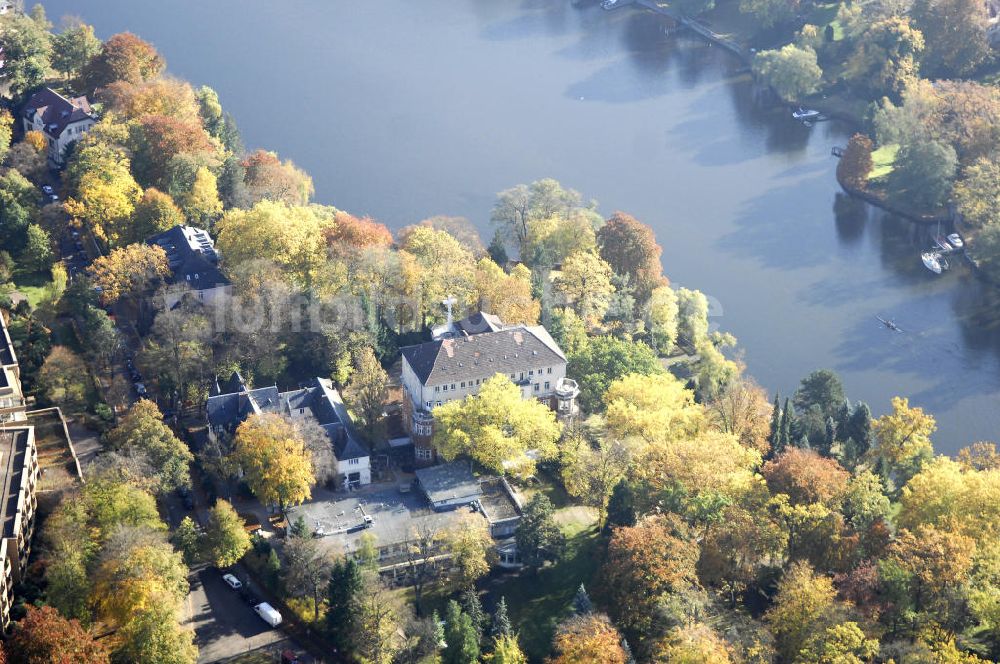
(306, 570)
(661, 318)
(226, 539)
(164, 97)
(845, 643)
(154, 213)
(885, 60)
(643, 563)
(128, 271)
(289, 237)
(349, 233)
(274, 459)
(63, 378)
(6, 132)
(517, 208)
(955, 32)
(102, 191)
(43, 635)
(588, 638)
(154, 635)
(74, 47)
(653, 408)
(806, 477)
(123, 57)
(143, 436)
(156, 139)
(856, 163)
(604, 360)
(592, 475)
(506, 295)
(743, 410)
(977, 192)
(138, 570)
(801, 608)
(368, 391)
(436, 266)
(585, 283)
(472, 550)
(946, 495)
(695, 643)
(903, 439)
(496, 426)
(201, 201)
(925, 567)
(269, 178)
(630, 247)
(506, 650)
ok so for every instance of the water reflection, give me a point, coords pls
(850, 215)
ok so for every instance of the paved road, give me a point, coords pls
(224, 625)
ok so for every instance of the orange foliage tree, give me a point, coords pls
(806, 477)
(586, 639)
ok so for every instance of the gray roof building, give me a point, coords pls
(191, 256)
(232, 402)
(507, 351)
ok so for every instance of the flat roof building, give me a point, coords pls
(19, 479)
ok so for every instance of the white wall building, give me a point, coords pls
(63, 121)
(456, 365)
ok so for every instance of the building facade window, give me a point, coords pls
(550, 369)
(424, 453)
(546, 385)
(536, 387)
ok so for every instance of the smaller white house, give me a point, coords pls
(63, 121)
(233, 401)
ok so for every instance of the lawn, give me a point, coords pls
(537, 602)
(33, 286)
(882, 161)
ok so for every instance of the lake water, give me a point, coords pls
(403, 110)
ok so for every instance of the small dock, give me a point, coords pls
(837, 151)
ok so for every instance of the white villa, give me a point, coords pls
(63, 121)
(464, 355)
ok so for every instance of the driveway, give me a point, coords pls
(224, 625)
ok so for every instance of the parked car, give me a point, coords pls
(140, 389)
(288, 657)
(268, 614)
(232, 581)
(48, 189)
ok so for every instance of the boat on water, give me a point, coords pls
(932, 261)
(805, 114)
(956, 240)
(942, 243)
(612, 4)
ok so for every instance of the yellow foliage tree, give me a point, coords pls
(496, 426)
(274, 457)
(506, 295)
(202, 202)
(903, 439)
(653, 408)
(291, 237)
(128, 271)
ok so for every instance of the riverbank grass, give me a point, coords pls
(883, 160)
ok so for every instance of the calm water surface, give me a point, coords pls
(403, 110)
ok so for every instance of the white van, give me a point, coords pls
(268, 614)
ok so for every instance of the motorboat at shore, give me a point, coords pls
(956, 240)
(933, 261)
(805, 114)
(942, 243)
